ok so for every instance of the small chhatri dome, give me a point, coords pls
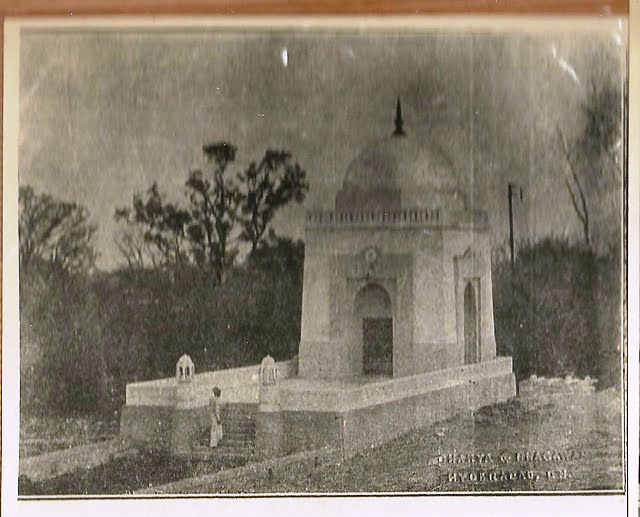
(399, 171)
(185, 369)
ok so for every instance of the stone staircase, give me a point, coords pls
(238, 441)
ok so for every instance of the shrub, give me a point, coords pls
(558, 311)
(62, 338)
(84, 338)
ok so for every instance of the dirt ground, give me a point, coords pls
(559, 434)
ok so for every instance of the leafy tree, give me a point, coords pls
(214, 211)
(222, 210)
(61, 346)
(164, 228)
(270, 185)
(54, 233)
(278, 257)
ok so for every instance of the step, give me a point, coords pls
(238, 425)
(233, 435)
(239, 437)
(235, 411)
(232, 451)
(242, 426)
(248, 435)
(205, 453)
(236, 445)
(238, 418)
(239, 432)
(239, 448)
(239, 428)
(233, 445)
(236, 440)
(238, 422)
(238, 409)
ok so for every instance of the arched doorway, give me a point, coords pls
(471, 326)
(374, 319)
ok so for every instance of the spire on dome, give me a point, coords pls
(399, 131)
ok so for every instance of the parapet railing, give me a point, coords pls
(400, 217)
(342, 396)
(235, 383)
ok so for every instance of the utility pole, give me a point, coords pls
(511, 247)
(510, 189)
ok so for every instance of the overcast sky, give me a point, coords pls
(103, 115)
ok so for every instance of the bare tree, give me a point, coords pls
(54, 233)
(137, 252)
(575, 186)
(592, 159)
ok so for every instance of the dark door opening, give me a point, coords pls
(377, 339)
(471, 329)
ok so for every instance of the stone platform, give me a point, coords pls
(296, 414)
(170, 416)
(353, 416)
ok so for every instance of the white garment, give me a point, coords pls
(216, 433)
(216, 422)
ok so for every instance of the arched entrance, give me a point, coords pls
(471, 326)
(374, 318)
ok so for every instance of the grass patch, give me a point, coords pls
(503, 413)
(124, 476)
(42, 434)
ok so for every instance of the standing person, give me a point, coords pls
(216, 420)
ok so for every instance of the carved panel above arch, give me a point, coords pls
(353, 272)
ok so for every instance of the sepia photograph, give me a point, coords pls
(310, 259)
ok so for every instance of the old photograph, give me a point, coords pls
(300, 259)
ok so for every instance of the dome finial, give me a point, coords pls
(399, 131)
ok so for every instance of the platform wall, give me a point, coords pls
(346, 417)
(369, 424)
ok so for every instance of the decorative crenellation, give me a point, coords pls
(401, 217)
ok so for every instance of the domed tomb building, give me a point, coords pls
(397, 279)
(397, 325)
